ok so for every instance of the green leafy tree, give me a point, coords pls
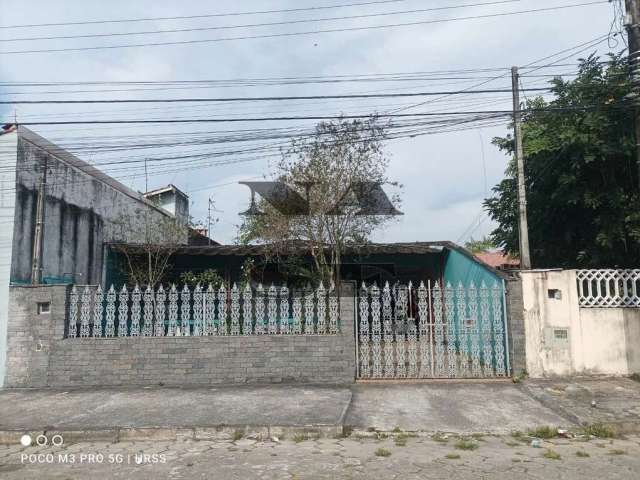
(337, 156)
(481, 245)
(580, 174)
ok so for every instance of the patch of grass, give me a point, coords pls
(382, 452)
(439, 437)
(516, 460)
(582, 454)
(401, 440)
(464, 444)
(382, 436)
(551, 455)
(544, 432)
(478, 436)
(300, 437)
(452, 456)
(237, 435)
(518, 378)
(617, 451)
(600, 430)
(512, 444)
(396, 430)
(371, 429)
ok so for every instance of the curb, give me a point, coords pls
(218, 432)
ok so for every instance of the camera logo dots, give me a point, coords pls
(42, 440)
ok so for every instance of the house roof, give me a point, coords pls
(300, 247)
(169, 188)
(497, 259)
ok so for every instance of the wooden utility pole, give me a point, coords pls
(523, 227)
(36, 262)
(632, 22)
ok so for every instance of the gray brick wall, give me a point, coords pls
(38, 355)
(515, 318)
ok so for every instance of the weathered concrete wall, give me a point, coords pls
(40, 356)
(83, 209)
(516, 328)
(564, 339)
(8, 158)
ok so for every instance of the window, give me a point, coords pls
(44, 308)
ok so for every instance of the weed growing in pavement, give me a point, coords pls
(551, 455)
(237, 435)
(382, 452)
(401, 440)
(617, 451)
(452, 456)
(300, 437)
(600, 430)
(582, 454)
(439, 437)
(396, 430)
(464, 444)
(544, 432)
(512, 444)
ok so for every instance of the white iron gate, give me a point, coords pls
(432, 332)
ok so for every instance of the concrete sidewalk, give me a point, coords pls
(446, 406)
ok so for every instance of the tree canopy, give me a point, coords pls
(581, 177)
(339, 155)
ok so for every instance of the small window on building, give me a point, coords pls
(561, 334)
(554, 294)
(44, 308)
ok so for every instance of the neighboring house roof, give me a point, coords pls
(498, 259)
(169, 188)
(199, 239)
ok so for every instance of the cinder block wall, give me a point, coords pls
(38, 355)
(515, 322)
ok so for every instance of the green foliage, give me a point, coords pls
(464, 444)
(580, 174)
(382, 452)
(206, 277)
(544, 432)
(479, 246)
(552, 455)
(600, 430)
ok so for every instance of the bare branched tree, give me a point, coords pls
(157, 239)
(324, 168)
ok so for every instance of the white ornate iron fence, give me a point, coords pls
(608, 288)
(432, 332)
(201, 311)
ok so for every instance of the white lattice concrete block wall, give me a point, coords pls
(40, 355)
(565, 338)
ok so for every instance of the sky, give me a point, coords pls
(445, 176)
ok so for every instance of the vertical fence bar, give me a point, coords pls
(159, 309)
(110, 324)
(97, 312)
(136, 296)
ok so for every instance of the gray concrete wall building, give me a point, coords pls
(83, 209)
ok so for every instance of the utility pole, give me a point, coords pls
(209, 223)
(523, 227)
(632, 22)
(36, 263)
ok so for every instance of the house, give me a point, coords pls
(58, 212)
(443, 262)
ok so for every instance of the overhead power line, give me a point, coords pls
(310, 117)
(265, 99)
(210, 15)
(312, 32)
(256, 25)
